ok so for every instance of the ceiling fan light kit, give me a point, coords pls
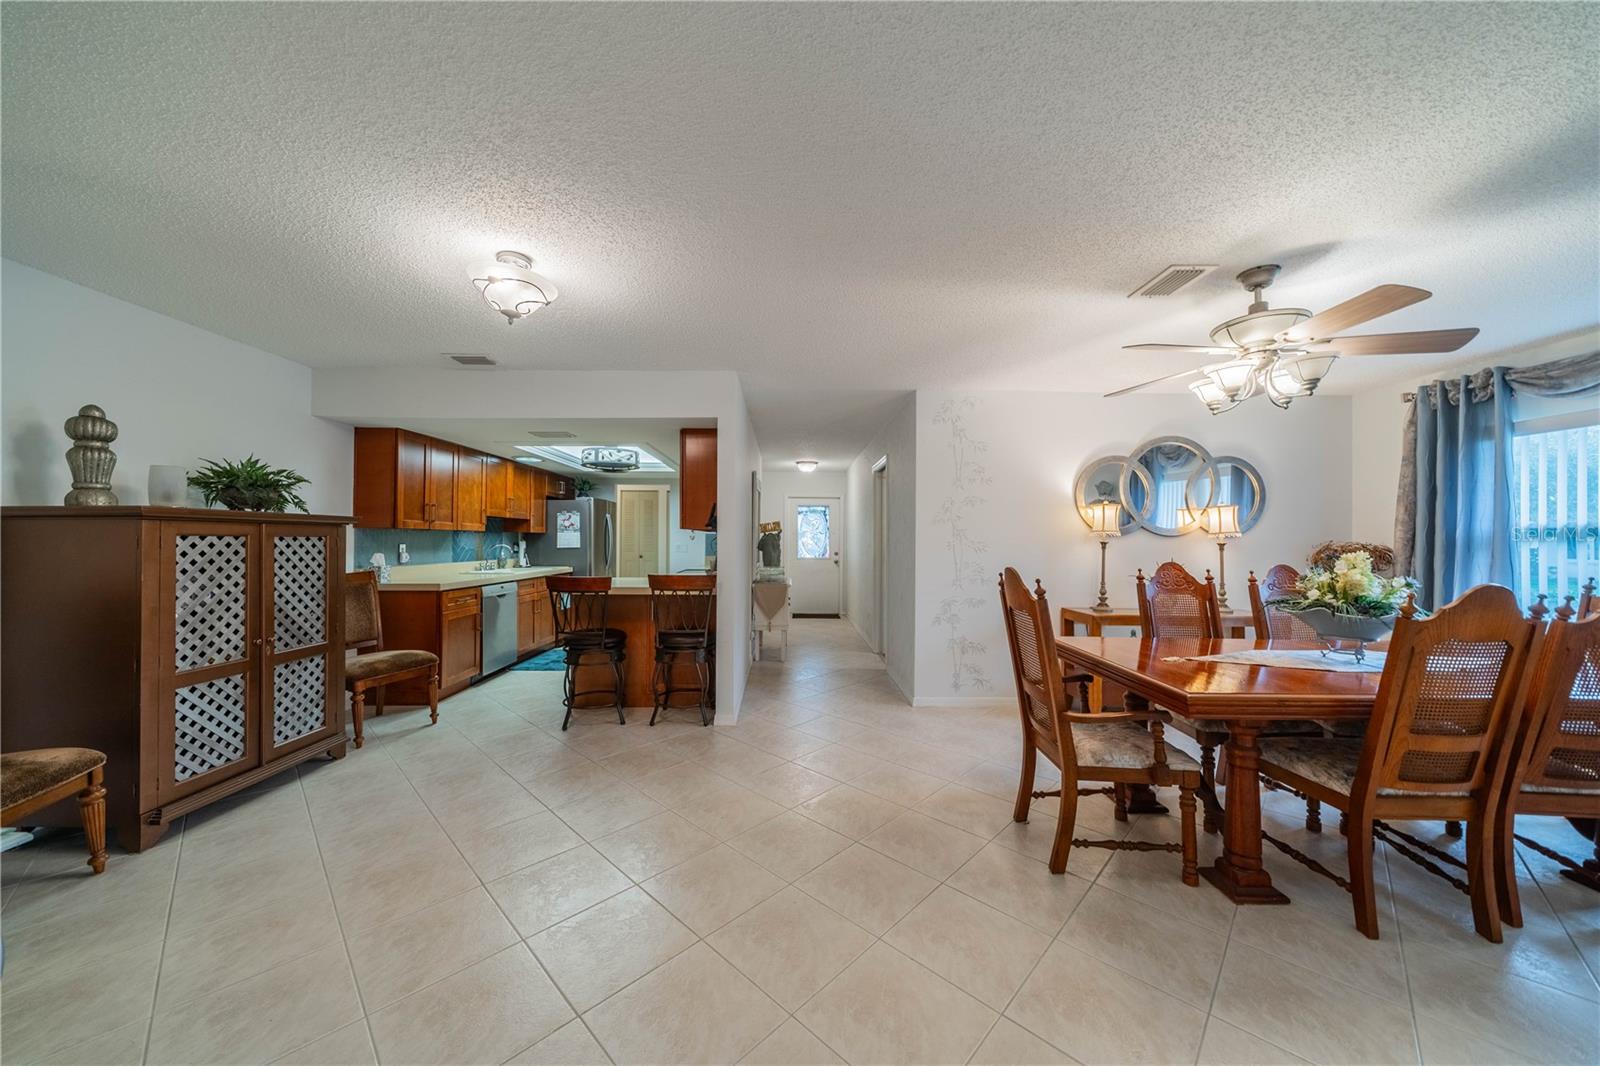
(1284, 353)
(513, 289)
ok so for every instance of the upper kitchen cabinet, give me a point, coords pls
(404, 480)
(471, 507)
(697, 500)
(560, 487)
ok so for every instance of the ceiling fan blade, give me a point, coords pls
(1364, 308)
(1432, 340)
(1147, 384)
(1196, 349)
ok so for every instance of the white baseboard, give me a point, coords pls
(958, 701)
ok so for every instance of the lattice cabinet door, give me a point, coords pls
(207, 730)
(303, 680)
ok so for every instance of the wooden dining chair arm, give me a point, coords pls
(1104, 716)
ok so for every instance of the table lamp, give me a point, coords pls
(1105, 521)
(1221, 521)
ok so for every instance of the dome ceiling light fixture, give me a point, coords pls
(513, 289)
(806, 466)
(1284, 352)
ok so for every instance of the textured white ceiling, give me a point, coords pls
(840, 201)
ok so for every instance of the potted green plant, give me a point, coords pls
(248, 485)
(583, 488)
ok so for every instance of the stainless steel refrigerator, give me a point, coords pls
(579, 533)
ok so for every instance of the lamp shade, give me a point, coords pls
(1221, 520)
(1104, 518)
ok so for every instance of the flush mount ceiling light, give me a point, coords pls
(513, 289)
(610, 460)
(806, 465)
(1284, 352)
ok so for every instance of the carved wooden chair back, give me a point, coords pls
(1174, 603)
(1325, 555)
(1274, 623)
(363, 622)
(1587, 603)
(1041, 696)
(578, 604)
(1452, 687)
(681, 606)
(1561, 748)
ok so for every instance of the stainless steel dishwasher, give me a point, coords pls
(499, 626)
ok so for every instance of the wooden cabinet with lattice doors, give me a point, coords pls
(202, 651)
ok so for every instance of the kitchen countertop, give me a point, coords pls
(442, 577)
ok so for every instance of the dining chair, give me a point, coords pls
(370, 671)
(1173, 603)
(1437, 746)
(1274, 623)
(1106, 746)
(34, 779)
(1555, 766)
(1586, 600)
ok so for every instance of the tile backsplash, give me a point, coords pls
(429, 545)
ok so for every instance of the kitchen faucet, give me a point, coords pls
(490, 562)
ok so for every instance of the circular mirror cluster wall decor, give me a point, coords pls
(1167, 483)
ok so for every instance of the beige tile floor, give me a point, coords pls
(835, 877)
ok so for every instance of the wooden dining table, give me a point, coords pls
(1245, 699)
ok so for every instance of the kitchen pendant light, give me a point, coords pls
(513, 289)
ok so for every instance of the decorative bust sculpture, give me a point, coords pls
(90, 458)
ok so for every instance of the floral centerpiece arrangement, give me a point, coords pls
(1348, 601)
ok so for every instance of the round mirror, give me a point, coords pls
(1227, 479)
(1101, 482)
(1155, 485)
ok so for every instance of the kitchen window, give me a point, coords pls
(1555, 480)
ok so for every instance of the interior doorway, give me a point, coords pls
(880, 556)
(814, 554)
(641, 530)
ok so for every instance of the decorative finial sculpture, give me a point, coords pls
(90, 458)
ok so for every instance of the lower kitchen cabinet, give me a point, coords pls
(448, 623)
(536, 627)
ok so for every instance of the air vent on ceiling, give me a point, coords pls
(1171, 280)
(470, 360)
(551, 434)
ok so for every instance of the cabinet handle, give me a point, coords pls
(257, 642)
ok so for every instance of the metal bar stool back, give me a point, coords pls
(681, 609)
(579, 607)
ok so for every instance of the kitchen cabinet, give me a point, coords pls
(519, 493)
(470, 510)
(213, 657)
(441, 484)
(448, 623)
(697, 495)
(494, 485)
(404, 480)
(535, 620)
(561, 487)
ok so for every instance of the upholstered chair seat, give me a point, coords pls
(26, 774)
(1123, 745)
(378, 663)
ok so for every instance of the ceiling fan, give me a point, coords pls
(1285, 352)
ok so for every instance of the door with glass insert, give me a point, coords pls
(814, 559)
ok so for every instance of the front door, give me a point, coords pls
(814, 559)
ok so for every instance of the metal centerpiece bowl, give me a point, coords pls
(1339, 629)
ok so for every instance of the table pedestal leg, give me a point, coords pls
(1239, 874)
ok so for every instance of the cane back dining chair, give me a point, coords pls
(1437, 745)
(1112, 747)
(1274, 623)
(1174, 604)
(1555, 768)
(371, 670)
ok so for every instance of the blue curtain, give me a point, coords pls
(1462, 456)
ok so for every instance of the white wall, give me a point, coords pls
(896, 442)
(779, 483)
(381, 396)
(177, 393)
(1023, 452)
(1378, 418)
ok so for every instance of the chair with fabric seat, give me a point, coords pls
(1274, 623)
(579, 607)
(32, 780)
(1437, 745)
(1174, 604)
(1113, 747)
(1556, 765)
(681, 609)
(369, 671)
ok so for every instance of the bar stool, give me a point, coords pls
(681, 607)
(579, 606)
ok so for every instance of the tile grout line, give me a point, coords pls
(1405, 971)
(1216, 984)
(166, 931)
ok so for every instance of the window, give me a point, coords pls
(812, 539)
(1555, 463)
